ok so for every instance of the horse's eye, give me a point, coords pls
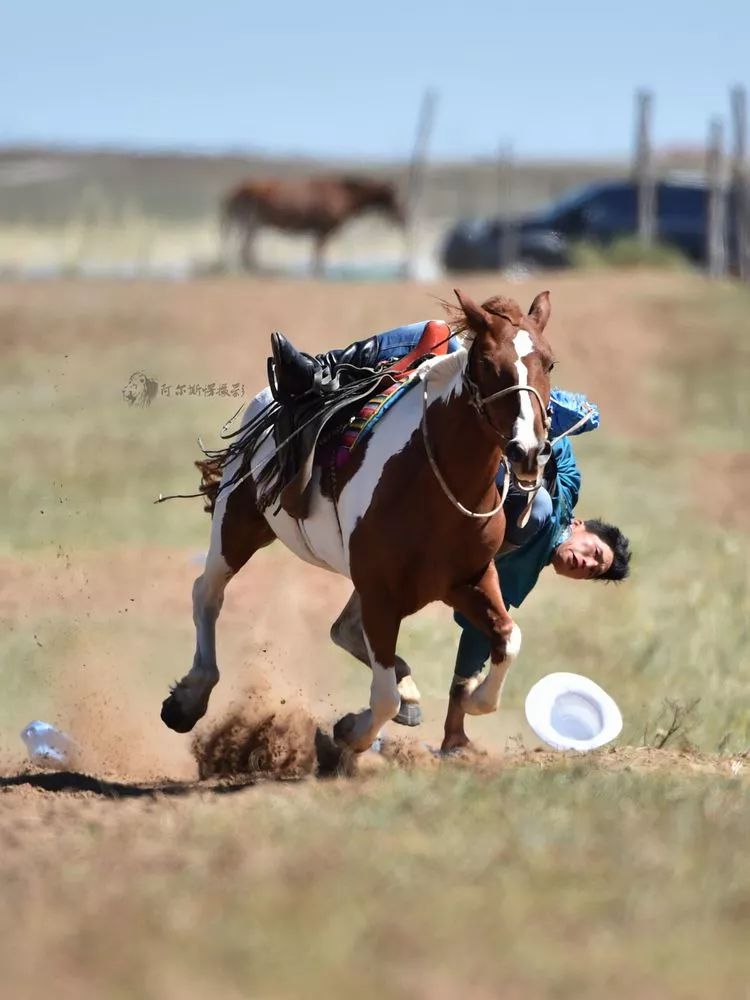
(551, 368)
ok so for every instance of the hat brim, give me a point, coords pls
(546, 694)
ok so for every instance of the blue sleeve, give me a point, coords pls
(567, 410)
(568, 473)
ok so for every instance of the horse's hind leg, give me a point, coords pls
(347, 634)
(237, 531)
(380, 631)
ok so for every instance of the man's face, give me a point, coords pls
(584, 555)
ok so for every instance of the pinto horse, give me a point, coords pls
(316, 205)
(413, 516)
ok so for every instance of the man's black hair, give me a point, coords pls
(609, 533)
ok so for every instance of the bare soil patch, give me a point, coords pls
(227, 323)
(722, 486)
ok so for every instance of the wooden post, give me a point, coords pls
(508, 237)
(716, 249)
(740, 187)
(416, 178)
(643, 168)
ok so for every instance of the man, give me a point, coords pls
(576, 549)
(553, 536)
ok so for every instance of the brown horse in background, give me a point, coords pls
(315, 205)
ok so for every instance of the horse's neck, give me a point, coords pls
(469, 457)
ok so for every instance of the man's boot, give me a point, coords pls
(291, 373)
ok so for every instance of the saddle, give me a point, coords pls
(335, 386)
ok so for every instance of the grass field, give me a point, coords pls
(513, 874)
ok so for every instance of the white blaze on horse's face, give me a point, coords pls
(524, 434)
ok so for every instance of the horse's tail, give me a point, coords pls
(210, 470)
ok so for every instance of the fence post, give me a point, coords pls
(716, 250)
(643, 168)
(740, 186)
(416, 177)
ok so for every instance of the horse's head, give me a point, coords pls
(509, 365)
(381, 196)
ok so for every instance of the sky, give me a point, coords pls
(551, 78)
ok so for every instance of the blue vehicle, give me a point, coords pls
(598, 213)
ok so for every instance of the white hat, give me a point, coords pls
(571, 712)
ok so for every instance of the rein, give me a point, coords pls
(480, 402)
(439, 476)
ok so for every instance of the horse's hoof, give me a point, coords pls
(456, 747)
(174, 715)
(342, 731)
(409, 714)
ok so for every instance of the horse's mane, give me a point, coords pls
(498, 305)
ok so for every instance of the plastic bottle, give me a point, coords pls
(47, 746)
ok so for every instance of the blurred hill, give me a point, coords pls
(48, 186)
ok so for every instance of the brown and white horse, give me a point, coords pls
(414, 517)
(315, 205)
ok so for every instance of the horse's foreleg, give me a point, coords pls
(248, 246)
(237, 531)
(188, 699)
(347, 634)
(319, 246)
(483, 605)
(380, 625)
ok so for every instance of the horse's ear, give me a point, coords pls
(476, 317)
(540, 310)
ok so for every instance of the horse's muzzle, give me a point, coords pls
(525, 462)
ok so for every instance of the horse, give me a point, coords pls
(316, 205)
(413, 516)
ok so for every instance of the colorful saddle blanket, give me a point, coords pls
(434, 340)
(363, 424)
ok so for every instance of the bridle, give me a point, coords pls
(480, 402)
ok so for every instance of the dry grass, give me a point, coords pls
(524, 883)
(523, 876)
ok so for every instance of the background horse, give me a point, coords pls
(316, 205)
(413, 517)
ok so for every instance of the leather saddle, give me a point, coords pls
(319, 394)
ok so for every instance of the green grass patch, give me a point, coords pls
(629, 252)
